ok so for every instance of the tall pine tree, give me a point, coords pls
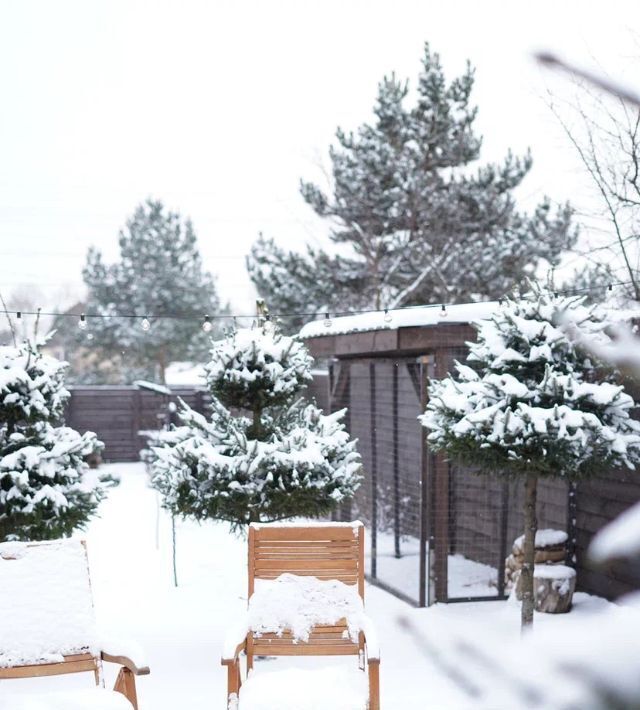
(533, 405)
(413, 218)
(159, 272)
(263, 454)
(44, 493)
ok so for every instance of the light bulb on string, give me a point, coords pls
(145, 324)
(19, 317)
(387, 316)
(82, 323)
(327, 320)
(443, 311)
(207, 325)
(268, 326)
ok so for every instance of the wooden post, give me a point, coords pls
(572, 512)
(425, 460)
(504, 521)
(440, 510)
(396, 464)
(136, 419)
(374, 472)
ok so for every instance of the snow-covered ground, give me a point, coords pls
(182, 629)
(466, 578)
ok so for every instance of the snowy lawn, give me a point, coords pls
(182, 630)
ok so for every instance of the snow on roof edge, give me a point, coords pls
(308, 524)
(430, 315)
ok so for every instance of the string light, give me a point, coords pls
(146, 322)
(268, 324)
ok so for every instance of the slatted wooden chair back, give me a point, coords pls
(62, 598)
(48, 627)
(324, 551)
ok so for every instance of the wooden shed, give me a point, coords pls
(440, 532)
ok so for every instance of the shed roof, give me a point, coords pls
(400, 318)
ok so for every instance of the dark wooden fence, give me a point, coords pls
(118, 414)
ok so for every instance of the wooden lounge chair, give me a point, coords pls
(48, 624)
(327, 552)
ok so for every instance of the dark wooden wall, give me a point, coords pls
(117, 414)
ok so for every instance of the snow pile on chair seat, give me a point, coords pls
(333, 688)
(46, 597)
(297, 604)
(90, 699)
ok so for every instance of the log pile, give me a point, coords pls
(554, 583)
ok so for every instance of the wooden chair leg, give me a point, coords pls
(233, 681)
(374, 685)
(126, 684)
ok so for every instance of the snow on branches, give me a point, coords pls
(286, 459)
(530, 399)
(253, 368)
(31, 385)
(44, 492)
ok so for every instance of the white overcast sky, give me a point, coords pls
(218, 108)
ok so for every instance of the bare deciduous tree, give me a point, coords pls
(604, 130)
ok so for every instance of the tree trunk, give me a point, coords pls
(162, 365)
(530, 527)
(256, 429)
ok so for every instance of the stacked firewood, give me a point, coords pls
(551, 548)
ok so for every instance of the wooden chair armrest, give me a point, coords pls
(235, 640)
(231, 658)
(126, 662)
(370, 634)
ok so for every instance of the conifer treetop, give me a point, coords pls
(254, 368)
(31, 385)
(531, 400)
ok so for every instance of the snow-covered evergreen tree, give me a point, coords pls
(533, 404)
(159, 272)
(44, 492)
(419, 223)
(264, 454)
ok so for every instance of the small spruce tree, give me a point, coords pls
(43, 490)
(159, 271)
(533, 406)
(264, 454)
